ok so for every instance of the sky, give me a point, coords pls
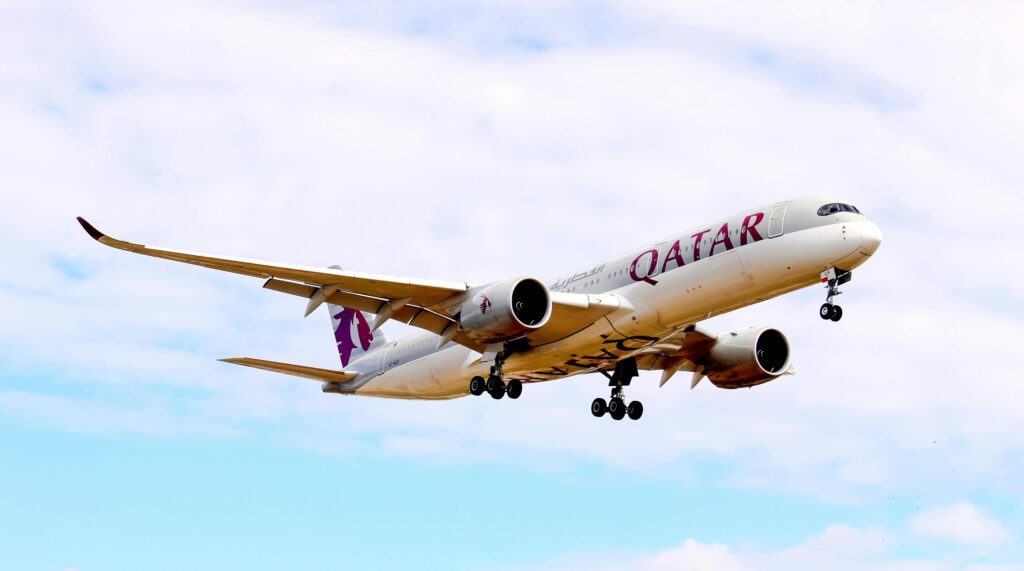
(472, 141)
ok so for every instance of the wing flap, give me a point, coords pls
(303, 371)
(570, 312)
(410, 314)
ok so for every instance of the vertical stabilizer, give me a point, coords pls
(352, 333)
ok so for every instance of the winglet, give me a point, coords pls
(96, 234)
(112, 242)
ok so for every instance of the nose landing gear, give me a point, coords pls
(616, 406)
(829, 311)
(833, 278)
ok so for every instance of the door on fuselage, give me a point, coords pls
(382, 360)
(775, 222)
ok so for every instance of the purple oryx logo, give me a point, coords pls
(485, 304)
(343, 333)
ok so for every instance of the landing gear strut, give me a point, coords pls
(833, 278)
(495, 384)
(616, 406)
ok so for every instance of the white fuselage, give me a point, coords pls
(660, 288)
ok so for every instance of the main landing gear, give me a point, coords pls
(616, 406)
(833, 278)
(495, 385)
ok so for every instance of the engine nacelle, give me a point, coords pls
(505, 310)
(747, 358)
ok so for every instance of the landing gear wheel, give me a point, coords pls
(498, 391)
(837, 313)
(635, 410)
(617, 408)
(625, 371)
(826, 311)
(515, 388)
(476, 386)
(493, 382)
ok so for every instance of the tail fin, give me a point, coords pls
(349, 325)
(352, 333)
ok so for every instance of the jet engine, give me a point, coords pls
(747, 358)
(505, 310)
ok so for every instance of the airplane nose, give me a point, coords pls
(870, 237)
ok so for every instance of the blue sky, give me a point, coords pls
(461, 141)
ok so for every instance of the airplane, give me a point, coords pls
(637, 311)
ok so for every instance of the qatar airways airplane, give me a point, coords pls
(637, 311)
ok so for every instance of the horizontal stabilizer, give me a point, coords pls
(314, 373)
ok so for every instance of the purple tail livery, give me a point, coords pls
(352, 333)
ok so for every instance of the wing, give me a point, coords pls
(424, 292)
(314, 373)
(678, 352)
(426, 304)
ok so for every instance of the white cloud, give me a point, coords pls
(284, 134)
(962, 523)
(695, 556)
(838, 547)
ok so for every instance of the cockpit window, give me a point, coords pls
(837, 207)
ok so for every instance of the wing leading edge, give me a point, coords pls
(425, 293)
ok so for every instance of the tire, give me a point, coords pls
(476, 386)
(635, 410)
(493, 382)
(837, 313)
(497, 393)
(515, 388)
(826, 311)
(598, 407)
(617, 408)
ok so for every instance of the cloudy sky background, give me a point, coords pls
(472, 141)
